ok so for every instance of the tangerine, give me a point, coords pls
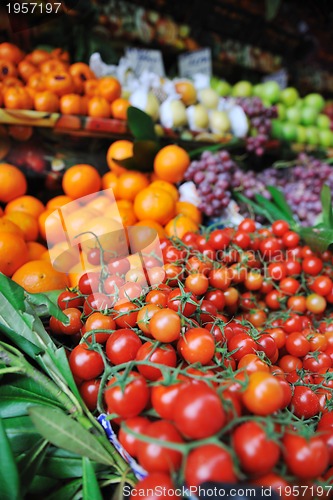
(13, 253)
(81, 180)
(110, 181)
(28, 204)
(180, 225)
(171, 163)
(11, 52)
(130, 184)
(35, 250)
(153, 225)
(119, 150)
(7, 69)
(59, 82)
(81, 73)
(109, 88)
(58, 202)
(168, 186)
(26, 222)
(155, 204)
(71, 104)
(7, 226)
(46, 101)
(26, 69)
(98, 107)
(53, 66)
(119, 108)
(190, 210)
(37, 56)
(12, 183)
(17, 98)
(38, 276)
(37, 82)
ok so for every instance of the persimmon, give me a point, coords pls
(109, 88)
(53, 66)
(60, 82)
(81, 73)
(46, 101)
(26, 69)
(98, 107)
(11, 52)
(90, 88)
(37, 56)
(71, 104)
(17, 98)
(7, 68)
(12, 81)
(37, 82)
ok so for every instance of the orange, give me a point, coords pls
(91, 88)
(13, 253)
(46, 101)
(171, 188)
(127, 215)
(63, 257)
(37, 82)
(71, 104)
(155, 204)
(7, 69)
(100, 203)
(180, 225)
(39, 276)
(74, 275)
(110, 181)
(81, 180)
(12, 183)
(98, 107)
(109, 232)
(154, 225)
(58, 202)
(20, 132)
(130, 184)
(80, 72)
(59, 82)
(119, 108)
(26, 69)
(50, 220)
(187, 92)
(109, 88)
(10, 52)
(28, 204)
(171, 163)
(35, 250)
(7, 226)
(119, 150)
(26, 222)
(17, 98)
(190, 210)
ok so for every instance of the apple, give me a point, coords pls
(257, 89)
(289, 131)
(209, 98)
(301, 134)
(222, 87)
(323, 122)
(276, 129)
(281, 111)
(315, 101)
(294, 115)
(312, 136)
(242, 89)
(326, 138)
(219, 122)
(271, 92)
(309, 116)
(289, 96)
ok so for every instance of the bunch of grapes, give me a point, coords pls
(212, 175)
(260, 123)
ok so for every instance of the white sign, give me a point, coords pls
(192, 63)
(145, 60)
(280, 77)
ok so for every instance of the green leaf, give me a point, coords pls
(140, 124)
(281, 202)
(21, 433)
(9, 477)
(66, 492)
(326, 202)
(272, 8)
(41, 486)
(62, 464)
(30, 463)
(62, 431)
(144, 153)
(319, 239)
(90, 484)
(128, 163)
(13, 292)
(15, 401)
(25, 345)
(46, 305)
(234, 142)
(255, 206)
(270, 207)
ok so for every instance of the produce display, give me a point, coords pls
(166, 311)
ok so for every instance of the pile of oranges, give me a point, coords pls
(46, 81)
(149, 200)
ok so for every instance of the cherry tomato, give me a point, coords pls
(209, 462)
(247, 225)
(315, 303)
(127, 440)
(312, 265)
(75, 322)
(165, 325)
(197, 283)
(197, 346)
(305, 402)
(122, 346)
(165, 356)
(68, 299)
(198, 411)
(97, 302)
(153, 487)
(305, 458)
(216, 297)
(290, 239)
(257, 453)
(280, 227)
(89, 283)
(264, 394)
(242, 344)
(126, 314)
(89, 392)
(297, 345)
(155, 457)
(126, 399)
(98, 321)
(85, 363)
(220, 278)
(219, 239)
(163, 398)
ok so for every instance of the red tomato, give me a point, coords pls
(155, 457)
(163, 398)
(89, 283)
(122, 346)
(69, 299)
(127, 440)
(219, 239)
(312, 265)
(153, 487)
(126, 314)
(305, 458)
(85, 363)
(165, 356)
(209, 462)
(257, 453)
(126, 398)
(305, 402)
(89, 393)
(165, 325)
(75, 322)
(243, 344)
(197, 346)
(198, 411)
(264, 394)
(96, 323)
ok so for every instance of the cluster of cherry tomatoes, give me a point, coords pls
(223, 371)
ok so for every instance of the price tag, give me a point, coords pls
(192, 63)
(281, 77)
(145, 60)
